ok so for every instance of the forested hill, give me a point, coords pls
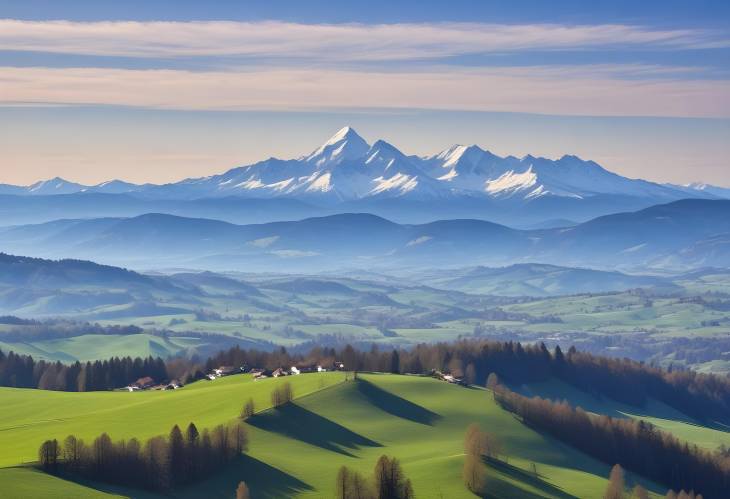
(38, 272)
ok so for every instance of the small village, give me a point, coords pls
(148, 383)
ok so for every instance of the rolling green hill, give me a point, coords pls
(295, 450)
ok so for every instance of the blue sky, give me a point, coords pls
(158, 91)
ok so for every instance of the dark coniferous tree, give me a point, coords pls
(177, 457)
(395, 362)
(192, 452)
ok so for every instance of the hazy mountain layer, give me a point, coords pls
(681, 234)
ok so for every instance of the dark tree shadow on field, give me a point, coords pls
(498, 487)
(297, 422)
(395, 405)
(263, 480)
(108, 488)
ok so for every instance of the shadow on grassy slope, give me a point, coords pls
(297, 422)
(600, 404)
(395, 405)
(498, 487)
(263, 480)
(101, 487)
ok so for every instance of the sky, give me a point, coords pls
(160, 91)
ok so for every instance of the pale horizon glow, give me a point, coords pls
(165, 146)
(543, 90)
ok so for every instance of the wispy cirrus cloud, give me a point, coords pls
(599, 90)
(333, 42)
(273, 65)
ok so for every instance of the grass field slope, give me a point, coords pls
(296, 449)
(708, 434)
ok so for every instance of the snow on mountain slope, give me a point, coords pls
(471, 168)
(54, 186)
(347, 168)
(511, 183)
(466, 167)
(572, 176)
(345, 145)
(344, 168)
(395, 174)
(697, 188)
(345, 172)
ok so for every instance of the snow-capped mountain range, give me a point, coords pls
(346, 168)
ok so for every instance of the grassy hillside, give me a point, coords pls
(709, 436)
(91, 347)
(295, 450)
(31, 416)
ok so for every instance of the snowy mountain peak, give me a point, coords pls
(50, 181)
(383, 150)
(460, 153)
(346, 144)
(343, 134)
(347, 168)
(56, 185)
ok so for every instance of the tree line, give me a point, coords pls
(634, 444)
(23, 330)
(158, 464)
(702, 396)
(22, 371)
(388, 482)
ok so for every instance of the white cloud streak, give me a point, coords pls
(332, 42)
(549, 90)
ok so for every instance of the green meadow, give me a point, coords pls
(295, 450)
